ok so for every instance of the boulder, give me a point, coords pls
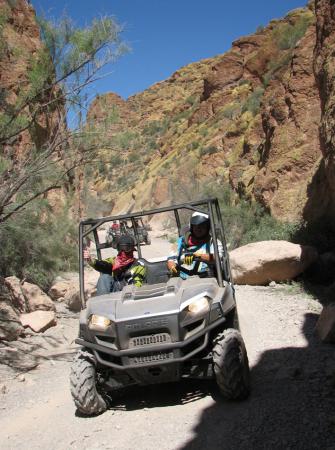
(72, 299)
(67, 285)
(39, 321)
(15, 289)
(18, 360)
(59, 289)
(10, 325)
(36, 299)
(325, 326)
(260, 263)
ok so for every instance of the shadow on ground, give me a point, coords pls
(161, 395)
(292, 405)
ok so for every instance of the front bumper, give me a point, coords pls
(156, 355)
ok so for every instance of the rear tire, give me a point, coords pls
(83, 385)
(231, 365)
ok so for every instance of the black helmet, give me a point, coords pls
(199, 218)
(125, 242)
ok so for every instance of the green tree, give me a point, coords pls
(57, 80)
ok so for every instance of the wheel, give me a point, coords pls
(231, 365)
(83, 385)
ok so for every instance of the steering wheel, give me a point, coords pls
(195, 269)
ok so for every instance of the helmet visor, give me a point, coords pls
(126, 247)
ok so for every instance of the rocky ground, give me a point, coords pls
(292, 402)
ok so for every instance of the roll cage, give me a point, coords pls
(208, 206)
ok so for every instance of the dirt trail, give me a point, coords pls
(291, 406)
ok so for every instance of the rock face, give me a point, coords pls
(260, 263)
(322, 191)
(250, 117)
(21, 42)
(21, 49)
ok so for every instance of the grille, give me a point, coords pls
(154, 357)
(151, 339)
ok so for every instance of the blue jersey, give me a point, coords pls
(205, 248)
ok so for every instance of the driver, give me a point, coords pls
(120, 270)
(196, 243)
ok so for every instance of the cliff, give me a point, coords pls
(19, 49)
(249, 117)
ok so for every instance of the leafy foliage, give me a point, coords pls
(287, 35)
(36, 244)
(253, 102)
(208, 150)
(37, 249)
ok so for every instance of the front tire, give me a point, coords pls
(231, 365)
(83, 385)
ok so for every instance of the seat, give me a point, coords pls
(156, 272)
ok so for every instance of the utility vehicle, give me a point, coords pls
(129, 227)
(169, 328)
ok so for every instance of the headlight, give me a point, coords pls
(99, 323)
(196, 308)
(199, 307)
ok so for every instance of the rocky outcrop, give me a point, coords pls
(249, 117)
(260, 263)
(23, 305)
(321, 202)
(20, 44)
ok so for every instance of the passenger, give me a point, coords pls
(115, 227)
(196, 243)
(120, 270)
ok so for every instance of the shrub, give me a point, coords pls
(191, 100)
(203, 132)
(153, 127)
(253, 102)
(247, 222)
(125, 139)
(115, 160)
(133, 157)
(37, 249)
(286, 35)
(182, 115)
(231, 110)
(208, 150)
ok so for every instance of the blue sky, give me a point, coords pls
(167, 34)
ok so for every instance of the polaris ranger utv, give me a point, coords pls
(169, 328)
